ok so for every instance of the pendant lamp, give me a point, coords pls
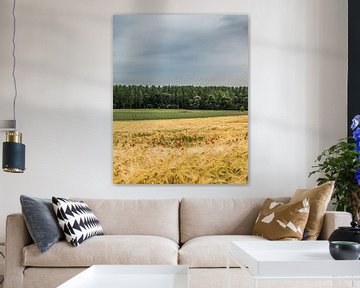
(13, 160)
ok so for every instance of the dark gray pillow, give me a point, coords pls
(41, 221)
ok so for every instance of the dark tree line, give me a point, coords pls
(180, 97)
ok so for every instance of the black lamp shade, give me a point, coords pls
(13, 157)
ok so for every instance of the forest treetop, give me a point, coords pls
(180, 97)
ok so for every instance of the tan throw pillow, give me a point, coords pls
(319, 198)
(279, 221)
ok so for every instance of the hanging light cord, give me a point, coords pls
(14, 61)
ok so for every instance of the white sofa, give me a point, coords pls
(194, 232)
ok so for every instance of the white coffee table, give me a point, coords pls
(131, 276)
(285, 260)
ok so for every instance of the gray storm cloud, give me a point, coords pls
(180, 50)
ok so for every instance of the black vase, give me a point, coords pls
(351, 234)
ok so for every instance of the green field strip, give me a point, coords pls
(158, 114)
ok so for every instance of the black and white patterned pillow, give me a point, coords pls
(77, 220)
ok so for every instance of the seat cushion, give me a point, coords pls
(211, 251)
(107, 249)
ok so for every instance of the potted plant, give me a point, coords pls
(341, 163)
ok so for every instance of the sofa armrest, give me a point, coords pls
(333, 220)
(17, 237)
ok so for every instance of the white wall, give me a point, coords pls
(64, 73)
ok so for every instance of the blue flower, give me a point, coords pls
(355, 122)
(357, 176)
(356, 134)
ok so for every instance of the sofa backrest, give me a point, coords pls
(200, 217)
(159, 217)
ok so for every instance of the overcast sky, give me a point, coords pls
(180, 50)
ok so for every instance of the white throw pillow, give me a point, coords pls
(77, 220)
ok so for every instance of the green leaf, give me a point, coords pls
(339, 163)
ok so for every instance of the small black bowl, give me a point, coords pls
(344, 250)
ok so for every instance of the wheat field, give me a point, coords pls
(181, 151)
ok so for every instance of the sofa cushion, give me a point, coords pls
(279, 221)
(41, 221)
(158, 217)
(107, 249)
(319, 198)
(211, 251)
(76, 220)
(200, 217)
(35, 277)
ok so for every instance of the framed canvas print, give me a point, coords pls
(180, 99)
